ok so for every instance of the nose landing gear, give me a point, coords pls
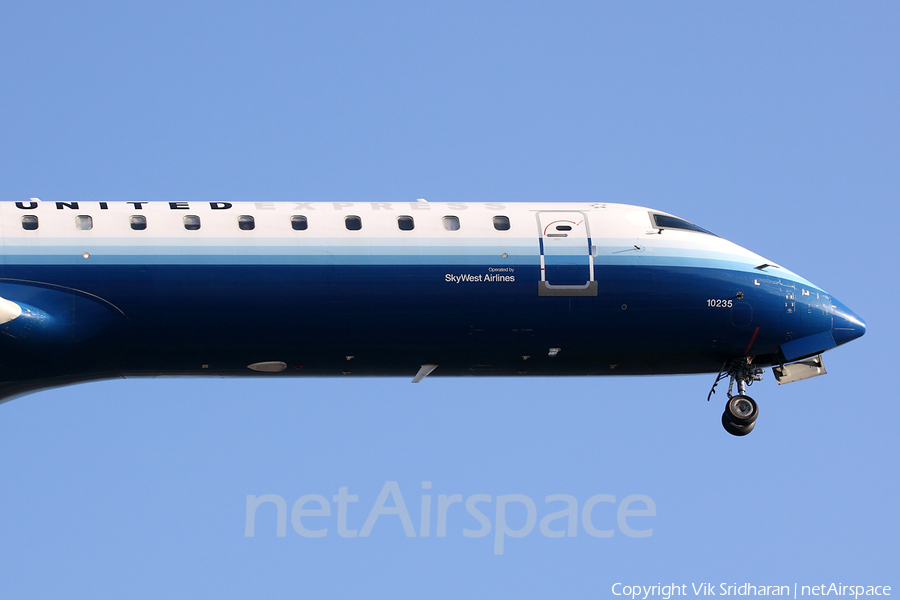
(741, 410)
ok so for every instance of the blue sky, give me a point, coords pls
(773, 124)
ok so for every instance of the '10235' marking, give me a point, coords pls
(715, 303)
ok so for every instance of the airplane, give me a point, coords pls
(100, 290)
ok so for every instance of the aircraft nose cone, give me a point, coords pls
(847, 326)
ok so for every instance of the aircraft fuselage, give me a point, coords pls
(107, 289)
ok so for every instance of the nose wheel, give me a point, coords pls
(741, 410)
(740, 415)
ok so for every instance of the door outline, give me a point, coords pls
(589, 288)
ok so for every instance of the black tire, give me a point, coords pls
(741, 410)
(738, 430)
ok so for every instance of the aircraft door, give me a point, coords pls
(567, 262)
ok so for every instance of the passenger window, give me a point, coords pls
(406, 223)
(191, 222)
(353, 223)
(84, 222)
(138, 222)
(299, 223)
(451, 223)
(246, 222)
(29, 222)
(501, 223)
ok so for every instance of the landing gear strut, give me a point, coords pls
(741, 410)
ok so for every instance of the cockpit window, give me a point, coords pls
(669, 222)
